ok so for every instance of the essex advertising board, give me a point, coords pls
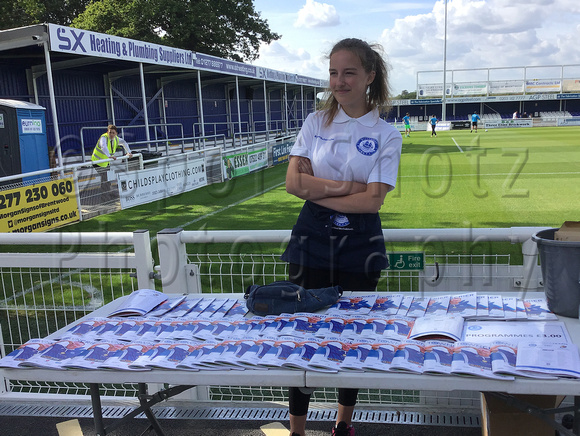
(238, 164)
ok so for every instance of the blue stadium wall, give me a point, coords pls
(82, 100)
(460, 111)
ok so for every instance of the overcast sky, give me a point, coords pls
(480, 34)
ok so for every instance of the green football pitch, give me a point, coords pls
(499, 178)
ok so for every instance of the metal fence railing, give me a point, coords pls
(97, 194)
(41, 292)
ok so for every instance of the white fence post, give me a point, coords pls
(177, 276)
(4, 383)
(143, 259)
(531, 281)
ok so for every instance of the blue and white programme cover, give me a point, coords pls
(380, 355)
(537, 308)
(353, 305)
(464, 305)
(438, 357)
(166, 306)
(238, 310)
(438, 305)
(139, 303)
(495, 306)
(472, 359)
(183, 308)
(225, 308)
(409, 357)
(510, 307)
(503, 361)
(332, 325)
(482, 306)
(418, 307)
(387, 304)
(405, 305)
(25, 352)
(356, 355)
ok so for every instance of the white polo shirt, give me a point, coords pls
(365, 149)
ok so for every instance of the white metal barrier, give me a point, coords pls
(43, 292)
(180, 274)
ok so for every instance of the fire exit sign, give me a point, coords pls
(406, 261)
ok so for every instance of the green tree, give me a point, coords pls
(406, 95)
(19, 13)
(225, 28)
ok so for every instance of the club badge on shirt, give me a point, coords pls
(340, 220)
(367, 146)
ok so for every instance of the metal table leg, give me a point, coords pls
(145, 401)
(97, 410)
(576, 427)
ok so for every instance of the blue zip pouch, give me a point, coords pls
(286, 297)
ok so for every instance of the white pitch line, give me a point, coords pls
(419, 176)
(207, 215)
(457, 145)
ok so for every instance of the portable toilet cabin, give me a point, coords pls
(23, 140)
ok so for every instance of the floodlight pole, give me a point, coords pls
(444, 106)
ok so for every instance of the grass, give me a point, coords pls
(495, 179)
(500, 178)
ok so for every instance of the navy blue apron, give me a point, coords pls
(325, 239)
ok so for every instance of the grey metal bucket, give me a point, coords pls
(560, 264)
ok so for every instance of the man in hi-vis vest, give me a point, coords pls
(105, 149)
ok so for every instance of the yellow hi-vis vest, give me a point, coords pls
(98, 153)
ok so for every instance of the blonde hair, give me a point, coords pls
(378, 94)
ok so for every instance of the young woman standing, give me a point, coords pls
(344, 162)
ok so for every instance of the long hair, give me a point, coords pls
(370, 55)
